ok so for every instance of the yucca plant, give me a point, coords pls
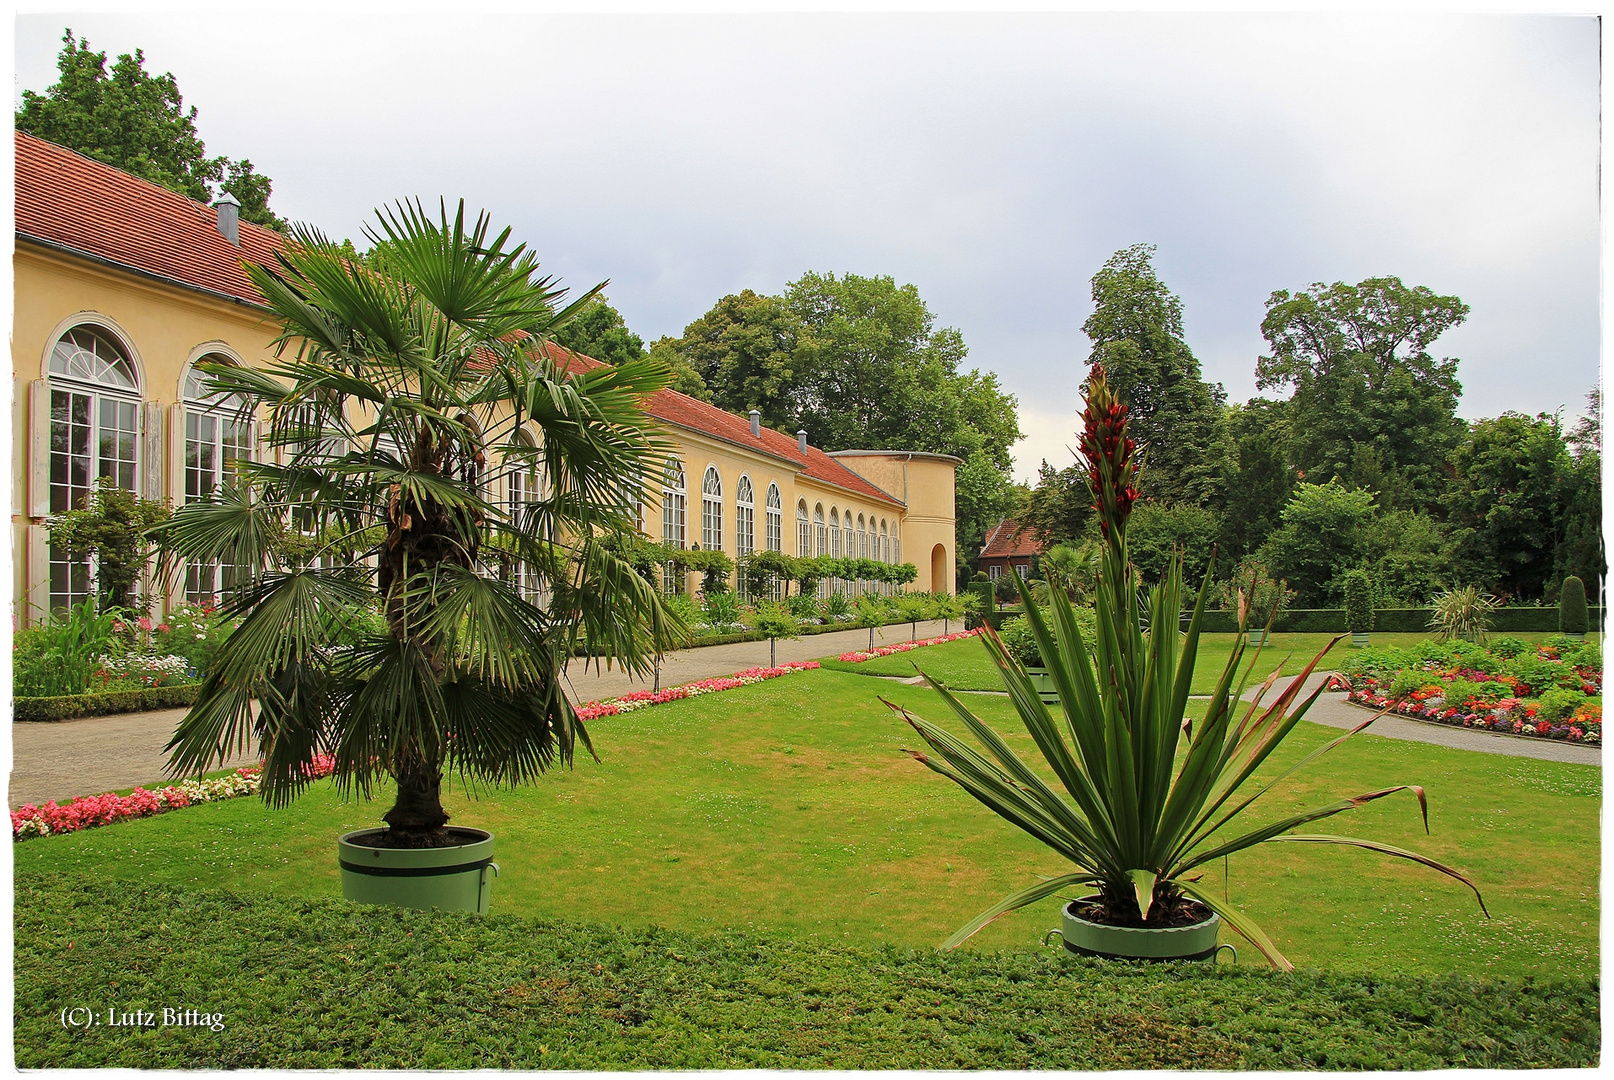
(403, 384)
(1462, 614)
(1136, 823)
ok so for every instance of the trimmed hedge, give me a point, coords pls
(1506, 620)
(754, 635)
(49, 709)
(301, 984)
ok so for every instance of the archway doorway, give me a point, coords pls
(940, 579)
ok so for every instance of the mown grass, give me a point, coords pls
(786, 810)
(313, 984)
(964, 665)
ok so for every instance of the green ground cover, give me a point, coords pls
(964, 665)
(320, 984)
(786, 810)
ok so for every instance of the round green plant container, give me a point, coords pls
(1196, 942)
(1044, 683)
(458, 878)
(1359, 641)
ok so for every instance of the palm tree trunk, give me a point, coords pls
(417, 816)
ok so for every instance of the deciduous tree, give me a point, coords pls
(137, 122)
(1371, 407)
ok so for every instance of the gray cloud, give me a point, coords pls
(994, 162)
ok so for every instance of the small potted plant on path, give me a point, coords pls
(1136, 823)
(402, 383)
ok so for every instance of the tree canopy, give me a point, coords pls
(1136, 331)
(137, 122)
(1371, 406)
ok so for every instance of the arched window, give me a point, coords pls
(862, 538)
(745, 517)
(896, 542)
(94, 435)
(218, 441)
(847, 540)
(525, 489)
(834, 532)
(885, 544)
(712, 510)
(803, 537)
(820, 535)
(775, 520)
(672, 518)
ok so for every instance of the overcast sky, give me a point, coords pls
(993, 161)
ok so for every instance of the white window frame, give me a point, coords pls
(712, 509)
(208, 422)
(81, 372)
(673, 523)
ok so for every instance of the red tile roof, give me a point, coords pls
(69, 201)
(696, 415)
(1001, 542)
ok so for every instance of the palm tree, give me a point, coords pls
(401, 383)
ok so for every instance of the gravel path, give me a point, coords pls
(102, 753)
(90, 755)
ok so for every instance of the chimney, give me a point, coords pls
(756, 423)
(229, 217)
(801, 441)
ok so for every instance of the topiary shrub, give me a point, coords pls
(1572, 615)
(1358, 602)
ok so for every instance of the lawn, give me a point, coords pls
(785, 810)
(964, 665)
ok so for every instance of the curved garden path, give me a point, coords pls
(1334, 711)
(103, 753)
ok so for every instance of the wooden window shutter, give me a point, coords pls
(153, 466)
(39, 448)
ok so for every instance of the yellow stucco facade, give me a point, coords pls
(162, 329)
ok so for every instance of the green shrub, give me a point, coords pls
(1358, 602)
(35, 709)
(721, 610)
(1507, 647)
(1572, 615)
(1018, 639)
(837, 606)
(1558, 703)
(804, 605)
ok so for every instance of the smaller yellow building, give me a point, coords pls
(122, 287)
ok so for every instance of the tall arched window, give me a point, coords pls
(745, 518)
(218, 441)
(775, 520)
(94, 435)
(834, 532)
(885, 544)
(848, 542)
(672, 518)
(862, 538)
(712, 510)
(820, 535)
(525, 488)
(896, 542)
(803, 536)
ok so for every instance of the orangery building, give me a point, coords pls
(122, 287)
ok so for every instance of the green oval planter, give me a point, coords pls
(1358, 640)
(1044, 684)
(1197, 942)
(458, 878)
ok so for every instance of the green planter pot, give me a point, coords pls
(1359, 641)
(1044, 683)
(458, 878)
(1197, 942)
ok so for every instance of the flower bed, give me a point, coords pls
(1551, 691)
(88, 811)
(901, 647)
(643, 699)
